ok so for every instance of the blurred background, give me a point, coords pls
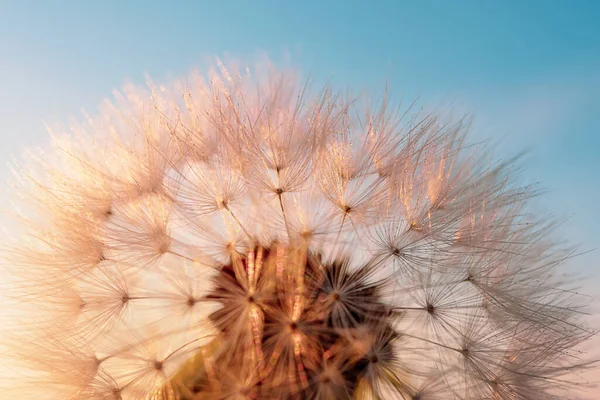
(527, 71)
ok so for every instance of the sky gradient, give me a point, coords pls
(529, 71)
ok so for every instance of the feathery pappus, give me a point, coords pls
(243, 235)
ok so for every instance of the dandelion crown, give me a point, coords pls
(244, 236)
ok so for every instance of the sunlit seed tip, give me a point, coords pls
(223, 204)
(414, 226)
(191, 301)
(157, 365)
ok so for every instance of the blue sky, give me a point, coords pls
(528, 70)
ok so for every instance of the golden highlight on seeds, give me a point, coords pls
(248, 235)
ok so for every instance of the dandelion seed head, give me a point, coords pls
(243, 235)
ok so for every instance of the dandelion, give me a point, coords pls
(245, 236)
